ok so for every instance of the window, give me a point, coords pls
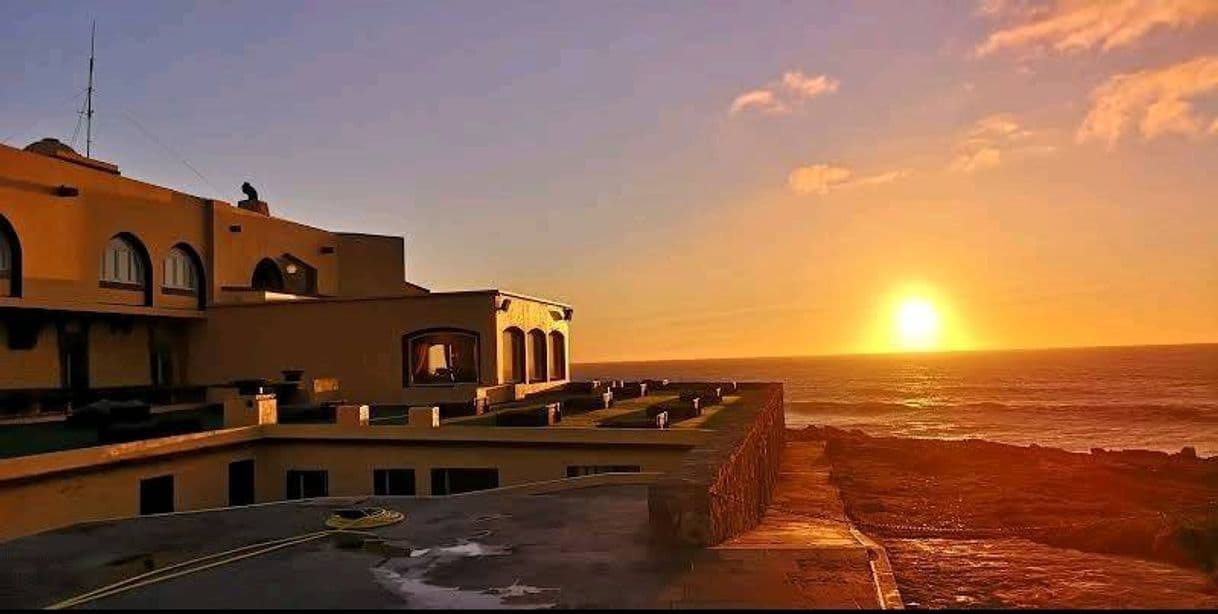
(306, 484)
(180, 271)
(122, 264)
(575, 471)
(6, 257)
(441, 357)
(393, 482)
(156, 495)
(454, 481)
(558, 356)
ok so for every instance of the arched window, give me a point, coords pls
(6, 257)
(10, 260)
(539, 363)
(267, 276)
(123, 264)
(180, 271)
(512, 365)
(558, 355)
(440, 356)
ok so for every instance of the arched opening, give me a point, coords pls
(512, 356)
(183, 274)
(440, 356)
(10, 260)
(539, 365)
(267, 276)
(558, 355)
(125, 265)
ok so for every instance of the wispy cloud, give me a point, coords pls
(824, 178)
(784, 94)
(992, 140)
(1158, 101)
(1079, 25)
(762, 101)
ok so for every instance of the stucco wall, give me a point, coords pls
(63, 238)
(528, 315)
(359, 342)
(118, 355)
(372, 265)
(723, 486)
(37, 367)
(53, 490)
(234, 255)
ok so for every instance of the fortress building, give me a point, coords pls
(114, 288)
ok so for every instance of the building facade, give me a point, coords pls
(115, 288)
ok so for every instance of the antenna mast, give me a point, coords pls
(89, 98)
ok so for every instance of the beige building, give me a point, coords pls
(115, 288)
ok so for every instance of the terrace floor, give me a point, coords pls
(582, 548)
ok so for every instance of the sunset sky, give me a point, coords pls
(700, 179)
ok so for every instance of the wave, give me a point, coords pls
(1206, 413)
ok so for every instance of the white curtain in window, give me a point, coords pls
(180, 270)
(121, 263)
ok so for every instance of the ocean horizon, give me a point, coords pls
(1156, 397)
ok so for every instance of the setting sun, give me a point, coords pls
(917, 325)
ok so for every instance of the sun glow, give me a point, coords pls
(917, 325)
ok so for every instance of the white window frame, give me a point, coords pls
(121, 263)
(180, 271)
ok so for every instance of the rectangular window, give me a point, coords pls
(445, 481)
(306, 484)
(393, 482)
(574, 471)
(241, 482)
(156, 495)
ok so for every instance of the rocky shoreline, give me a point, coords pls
(977, 523)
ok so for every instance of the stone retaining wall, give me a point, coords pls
(723, 486)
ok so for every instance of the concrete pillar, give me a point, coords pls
(424, 417)
(351, 415)
(250, 410)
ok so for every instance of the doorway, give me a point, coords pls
(74, 356)
(241, 482)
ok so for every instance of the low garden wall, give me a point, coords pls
(723, 486)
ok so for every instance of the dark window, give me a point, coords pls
(538, 364)
(454, 481)
(308, 484)
(440, 357)
(575, 471)
(156, 495)
(241, 482)
(23, 330)
(393, 481)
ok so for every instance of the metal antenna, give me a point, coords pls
(89, 97)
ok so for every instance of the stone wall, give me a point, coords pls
(723, 486)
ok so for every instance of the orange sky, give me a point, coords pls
(751, 178)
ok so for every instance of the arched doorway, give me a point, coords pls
(539, 365)
(512, 367)
(558, 355)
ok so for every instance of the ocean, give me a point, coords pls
(1151, 397)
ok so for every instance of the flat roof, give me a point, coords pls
(583, 548)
